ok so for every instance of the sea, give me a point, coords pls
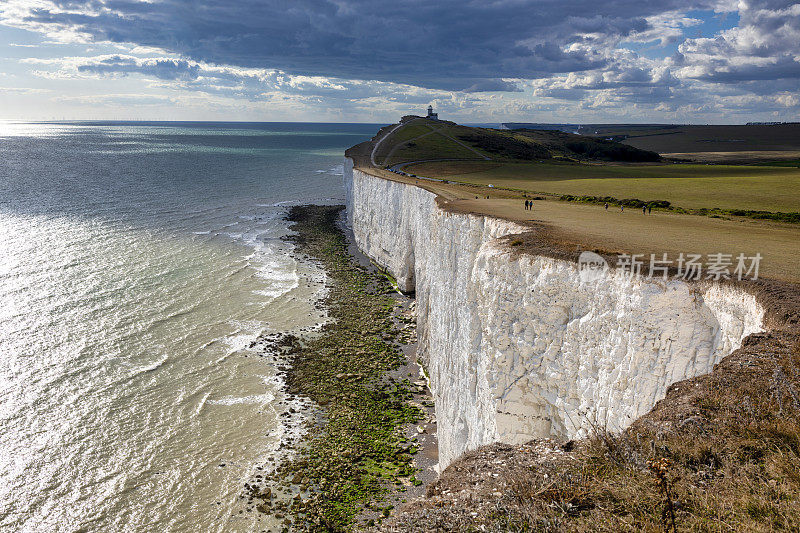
(139, 261)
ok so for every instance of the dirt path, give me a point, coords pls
(657, 233)
(380, 141)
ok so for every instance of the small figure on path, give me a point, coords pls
(649, 208)
(644, 209)
(526, 205)
(606, 206)
(622, 209)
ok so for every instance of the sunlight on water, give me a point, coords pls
(132, 287)
(9, 128)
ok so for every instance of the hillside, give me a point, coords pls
(714, 143)
(420, 139)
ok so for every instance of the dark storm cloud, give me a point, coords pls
(447, 44)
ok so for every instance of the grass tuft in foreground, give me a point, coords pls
(356, 452)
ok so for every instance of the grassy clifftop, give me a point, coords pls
(418, 139)
(559, 164)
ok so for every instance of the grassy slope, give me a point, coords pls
(432, 147)
(402, 146)
(690, 186)
(421, 139)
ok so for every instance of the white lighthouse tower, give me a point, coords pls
(431, 114)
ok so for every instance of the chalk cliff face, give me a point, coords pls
(520, 346)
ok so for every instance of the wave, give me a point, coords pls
(244, 336)
(149, 368)
(263, 219)
(255, 399)
(282, 203)
(271, 261)
(201, 404)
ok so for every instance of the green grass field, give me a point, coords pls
(775, 189)
(401, 147)
(406, 133)
(434, 147)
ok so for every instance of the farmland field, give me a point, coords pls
(764, 188)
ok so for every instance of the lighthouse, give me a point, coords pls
(431, 114)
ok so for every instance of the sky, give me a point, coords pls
(475, 61)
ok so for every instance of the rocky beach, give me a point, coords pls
(369, 442)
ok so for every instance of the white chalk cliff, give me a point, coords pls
(518, 346)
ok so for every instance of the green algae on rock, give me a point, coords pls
(355, 453)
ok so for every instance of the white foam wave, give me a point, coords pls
(338, 170)
(271, 383)
(280, 280)
(283, 203)
(245, 335)
(262, 218)
(201, 404)
(272, 263)
(255, 399)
